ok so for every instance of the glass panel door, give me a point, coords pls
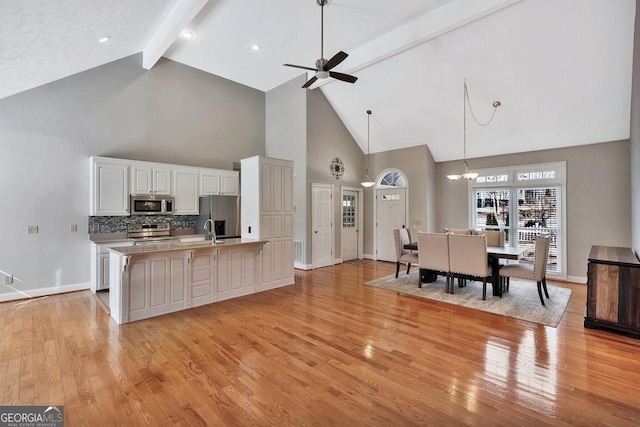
(538, 214)
(492, 210)
(348, 211)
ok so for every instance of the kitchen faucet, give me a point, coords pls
(210, 230)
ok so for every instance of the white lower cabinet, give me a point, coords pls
(203, 277)
(237, 273)
(100, 263)
(147, 284)
(157, 285)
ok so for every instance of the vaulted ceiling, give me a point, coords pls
(561, 68)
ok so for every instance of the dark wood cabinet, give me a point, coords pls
(613, 295)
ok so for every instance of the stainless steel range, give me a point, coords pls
(151, 233)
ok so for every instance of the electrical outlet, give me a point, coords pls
(32, 229)
(74, 228)
(8, 280)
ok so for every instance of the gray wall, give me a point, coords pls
(598, 189)
(635, 138)
(171, 113)
(419, 167)
(327, 137)
(285, 138)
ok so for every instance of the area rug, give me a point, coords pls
(521, 302)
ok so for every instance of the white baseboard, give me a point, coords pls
(41, 292)
(301, 266)
(368, 256)
(577, 279)
(337, 261)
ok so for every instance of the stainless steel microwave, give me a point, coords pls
(151, 205)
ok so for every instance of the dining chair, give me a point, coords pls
(457, 230)
(468, 259)
(402, 237)
(433, 255)
(536, 272)
(494, 237)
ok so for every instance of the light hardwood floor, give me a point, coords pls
(325, 351)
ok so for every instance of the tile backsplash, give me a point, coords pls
(119, 224)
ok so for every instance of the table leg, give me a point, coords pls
(495, 277)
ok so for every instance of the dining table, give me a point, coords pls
(495, 254)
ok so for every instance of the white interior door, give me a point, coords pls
(322, 232)
(350, 226)
(391, 214)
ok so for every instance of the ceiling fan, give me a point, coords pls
(323, 67)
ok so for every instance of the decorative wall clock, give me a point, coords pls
(337, 168)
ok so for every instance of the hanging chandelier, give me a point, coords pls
(369, 183)
(469, 176)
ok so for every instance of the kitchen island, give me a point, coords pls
(155, 279)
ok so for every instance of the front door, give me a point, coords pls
(390, 211)
(321, 217)
(350, 226)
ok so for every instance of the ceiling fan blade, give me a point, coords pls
(344, 77)
(337, 58)
(311, 81)
(300, 66)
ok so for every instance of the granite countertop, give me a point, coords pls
(122, 237)
(182, 246)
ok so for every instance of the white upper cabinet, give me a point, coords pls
(185, 191)
(113, 180)
(146, 179)
(229, 183)
(109, 187)
(209, 182)
(218, 181)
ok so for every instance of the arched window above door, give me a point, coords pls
(392, 178)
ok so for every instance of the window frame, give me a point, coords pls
(513, 185)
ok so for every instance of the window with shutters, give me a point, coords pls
(523, 201)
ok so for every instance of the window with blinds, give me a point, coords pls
(524, 202)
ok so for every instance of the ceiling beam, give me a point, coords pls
(177, 20)
(428, 26)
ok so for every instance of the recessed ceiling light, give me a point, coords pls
(187, 34)
(255, 47)
(104, 39)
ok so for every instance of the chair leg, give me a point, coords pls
(544, 286)
(507, 284)
(419, 277)
(540, 292)
(484, 288)
(397, 268)
(408, 267)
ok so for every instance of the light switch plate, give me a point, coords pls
(74, 228)
(32, 229)
(8, 280)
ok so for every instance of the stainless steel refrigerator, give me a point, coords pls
(224, 212)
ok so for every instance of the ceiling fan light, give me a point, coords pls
(454, 177)
(320, 74)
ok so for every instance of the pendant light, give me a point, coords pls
(369, 183)
(469, 176)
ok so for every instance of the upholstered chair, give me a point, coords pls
(402, 237)
(468, 259)
(458, 231)
(494, 237)
(536, 272)
(433, 255)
